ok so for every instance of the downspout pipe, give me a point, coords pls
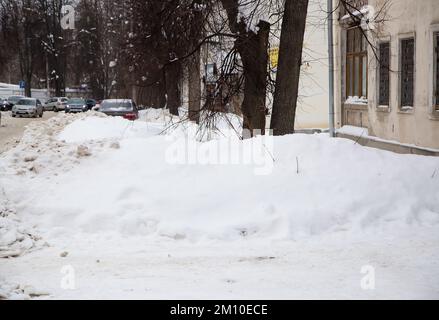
(331, 69)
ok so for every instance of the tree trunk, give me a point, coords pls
(253, 49)
(194, 87)
(254, 54)
(290, 60)
(172, 74)
(28, 85)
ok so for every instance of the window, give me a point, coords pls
(356, 63)
(436, 72)
(384, 74)
(211, 72)
(407, 72)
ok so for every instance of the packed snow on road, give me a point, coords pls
(100, 207)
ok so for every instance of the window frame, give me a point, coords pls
(380, 106)
(435, 95)
(350, 58)
(401, 38)
(433, 109)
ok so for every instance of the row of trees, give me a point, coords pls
(141, 48)
(32, 39)
(47, 55)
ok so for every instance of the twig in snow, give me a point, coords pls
(297, 164)
(361, 135)
(271, 155)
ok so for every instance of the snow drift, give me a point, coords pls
(121, 184)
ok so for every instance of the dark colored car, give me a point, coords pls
(2, 104)
(10, 102)
(120, 107)
(90, 103)
(76, 105)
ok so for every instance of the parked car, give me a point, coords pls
(97, 105)
(2, 104)
(91, 103)
(28, 107)
(76, 105)
(56, 104)
(10, 102)
(120, 107)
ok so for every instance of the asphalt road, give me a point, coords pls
(11, 129)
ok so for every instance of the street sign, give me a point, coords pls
(274, 57)
(22, 84)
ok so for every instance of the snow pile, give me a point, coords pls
(96, 128)
(18, 292)
(129, 186)
(15, 237)
(215, 125)
(41, 151)
(355, 131)
(156, 115)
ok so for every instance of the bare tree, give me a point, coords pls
(253, 50)
(21, 25)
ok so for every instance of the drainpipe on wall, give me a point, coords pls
(331, 69)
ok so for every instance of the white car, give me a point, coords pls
(56, 104)
(28, 107)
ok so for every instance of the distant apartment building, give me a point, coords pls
(387, 77)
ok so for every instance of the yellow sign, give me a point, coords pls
(274, 57)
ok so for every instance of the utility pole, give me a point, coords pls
(331, 69)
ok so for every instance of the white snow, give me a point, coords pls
(363, 11)
(356, 100)
(16, 237)
(94, 128)
(133, 224)
(355, 131)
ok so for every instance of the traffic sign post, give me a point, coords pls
(22, 85)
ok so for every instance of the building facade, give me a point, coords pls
(387, 69)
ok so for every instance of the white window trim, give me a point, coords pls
(411, 109)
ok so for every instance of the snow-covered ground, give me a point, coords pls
(100, 207)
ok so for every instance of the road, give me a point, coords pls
(11, 129)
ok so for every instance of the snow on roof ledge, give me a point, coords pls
(356, 13)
